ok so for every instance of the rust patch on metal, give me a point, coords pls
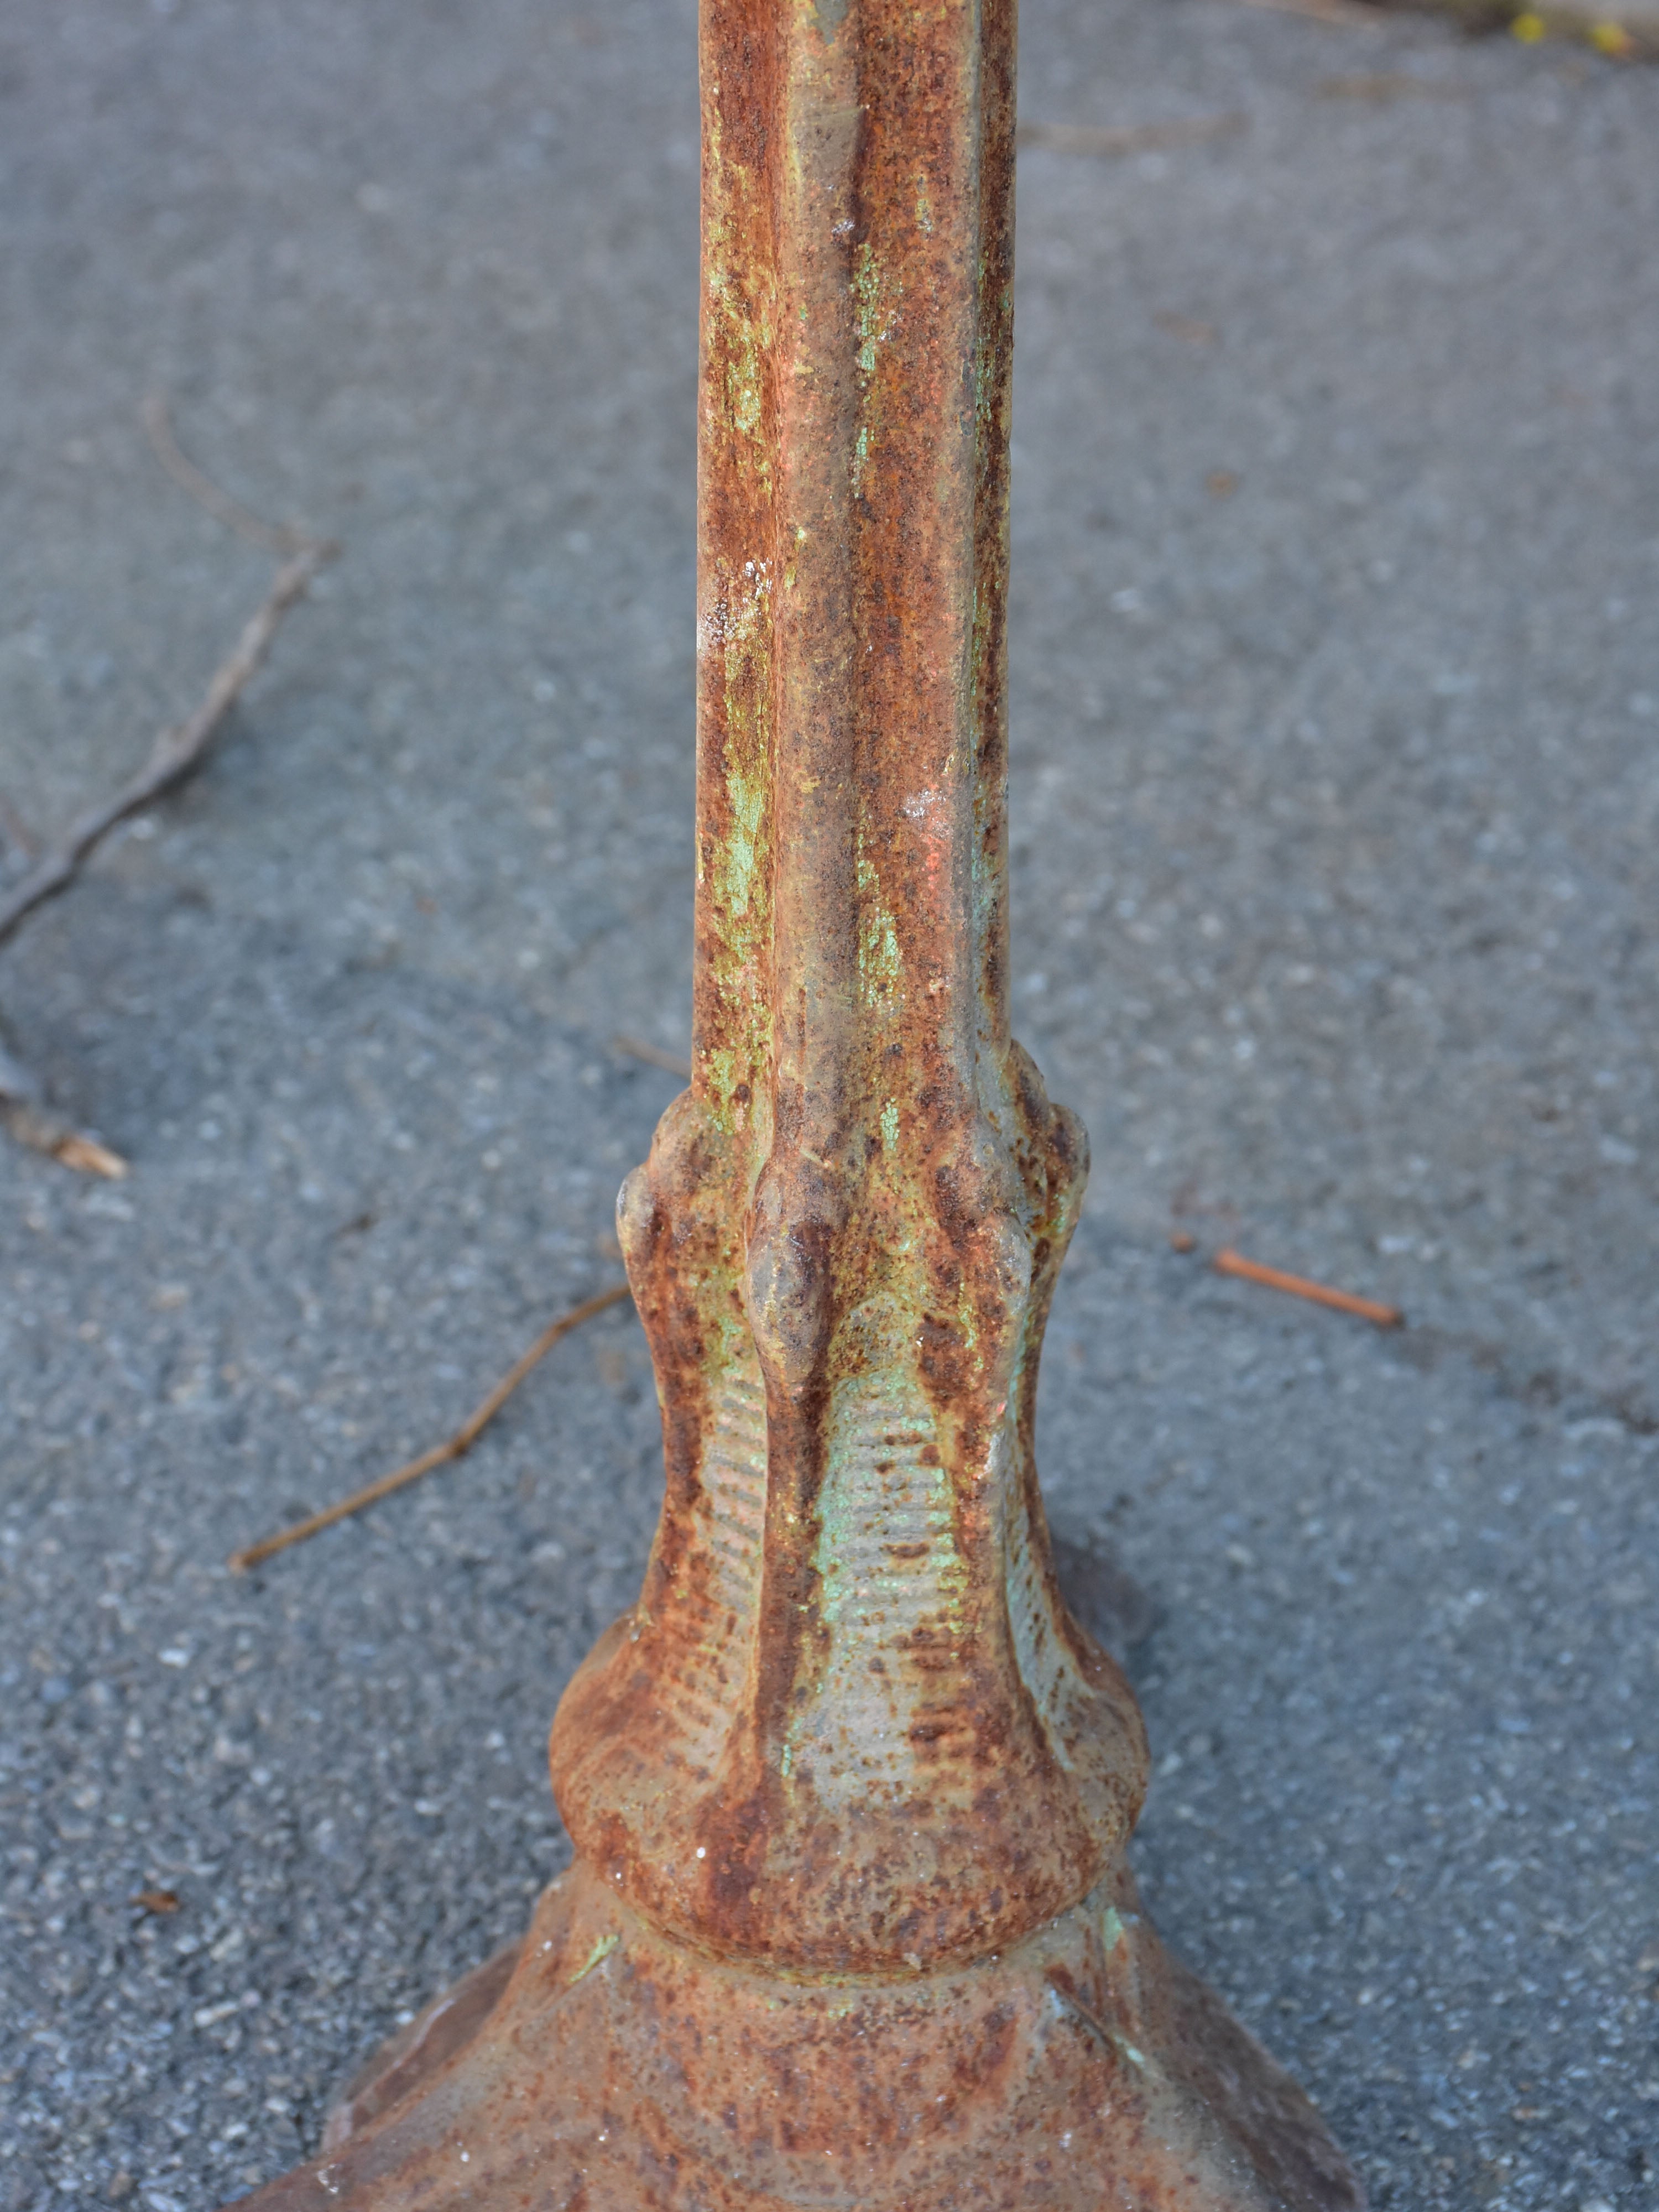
(850, 1922)
(885, 1696)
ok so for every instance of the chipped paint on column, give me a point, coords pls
(850, 1726)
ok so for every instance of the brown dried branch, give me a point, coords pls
(155, 1900)
(176, 752)
(26, 1116)
(1228, 1262)
(24, 1111)
(654, 1055)
(220, 504)
(1385, 86)
(1130, 137)
(16, 830)
(456, 1447)
(1350, 13)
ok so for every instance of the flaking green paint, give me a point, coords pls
(876, 298)
(968, 1320)
(880, 965)
(600, 1952)
(742, 846)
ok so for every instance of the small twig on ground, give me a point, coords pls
(1350, 13)
(24, 1111)
(1187, 328)
(456, 1448)
(175, 753)
(155, 1900)
(26, 1116)
(16, 830)
(274, 538)
(1388, 85)
(1130, 137)
(654, 1055)
(1229, 1262)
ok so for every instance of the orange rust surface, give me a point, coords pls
(849, 1726)
(850, 1924)
(620, 2071)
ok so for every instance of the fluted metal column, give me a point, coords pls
(849, 1656)
(849, 1922)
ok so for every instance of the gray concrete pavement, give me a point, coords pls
(1337, 761)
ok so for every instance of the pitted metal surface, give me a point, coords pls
(850, 1922)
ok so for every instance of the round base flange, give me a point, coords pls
(598, 2067)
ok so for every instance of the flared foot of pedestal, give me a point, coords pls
(599, 2067)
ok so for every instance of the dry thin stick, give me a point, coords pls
(25, 1113)
(203, 490)
(176, 752)
(1348, 12)
(1127, 139)
(654, 1055)
(457, 1446)
(26, 1116)
(1388, 85)
(1229, 1262)
(17, 830)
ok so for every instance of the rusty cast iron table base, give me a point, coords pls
(850, 1922)
(599, 2064)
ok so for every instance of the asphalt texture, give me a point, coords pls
(1336, 804)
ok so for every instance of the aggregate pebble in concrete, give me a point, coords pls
(1337, 787)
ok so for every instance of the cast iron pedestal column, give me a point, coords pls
(849, 1923)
